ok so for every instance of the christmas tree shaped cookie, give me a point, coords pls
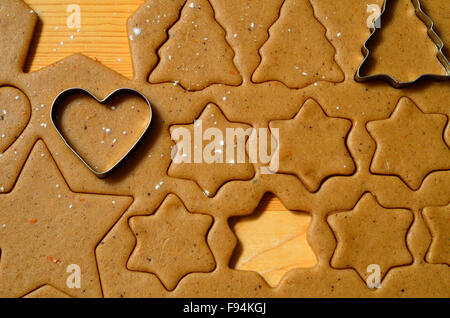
(196, 54)
(297, 52)
(402, 47)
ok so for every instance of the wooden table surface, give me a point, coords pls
(273, 239)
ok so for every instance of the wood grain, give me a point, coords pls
(272, 240)
(102, 34)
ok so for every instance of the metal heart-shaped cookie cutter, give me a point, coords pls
(433, 36)
(101, 174)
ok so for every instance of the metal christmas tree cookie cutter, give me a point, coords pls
(100, 174)
(388, 78)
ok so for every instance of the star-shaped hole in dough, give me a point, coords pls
(171, 243)
(438, 219)
(410, 144)
(312, 145)
(45, 228)
(210, 176)
(371, 234)
(297, 52)
(270, 250)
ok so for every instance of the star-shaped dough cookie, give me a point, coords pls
(312, 145)
(370, 234)
(410, 144)
(438, 219)
(45, 227)
(211, 176)
(171, 243)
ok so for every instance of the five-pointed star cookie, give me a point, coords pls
(210, 176)
(410, 144)
(438, 219)
(370, 234)
(312, 145)
(45, 228)
(171, 243)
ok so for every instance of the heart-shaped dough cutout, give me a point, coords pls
(15, 112)
(101, 132)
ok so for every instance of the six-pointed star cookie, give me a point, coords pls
(312, 145)
(171, 243)
(213, 166)
(45, 227)
(438, 219)
(410, 144)
(370, 234)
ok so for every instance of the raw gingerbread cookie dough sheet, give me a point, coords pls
(349, 198)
